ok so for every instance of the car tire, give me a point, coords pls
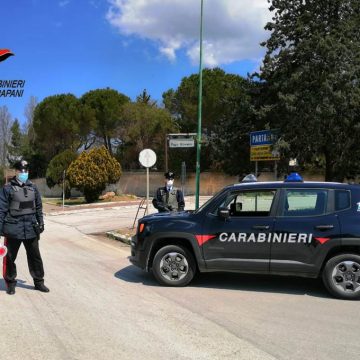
(341, 276)
(174, 265)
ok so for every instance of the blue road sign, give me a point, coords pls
(264, 137)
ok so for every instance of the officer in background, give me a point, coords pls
(169, 198)
(21, 221)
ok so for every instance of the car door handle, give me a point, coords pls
(261, 227)
(324, 227)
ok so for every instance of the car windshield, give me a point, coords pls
(208, 202)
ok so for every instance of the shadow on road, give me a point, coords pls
(20, 283)
(133, 274)
(233, 281)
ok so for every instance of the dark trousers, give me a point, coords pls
(35, 263)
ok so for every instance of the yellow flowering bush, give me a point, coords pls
(92, 171)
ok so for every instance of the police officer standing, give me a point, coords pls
(169, 198)
(21, 221)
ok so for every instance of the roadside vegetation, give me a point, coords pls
(80, 200)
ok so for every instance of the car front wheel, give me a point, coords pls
(341, 276)
(174, 265)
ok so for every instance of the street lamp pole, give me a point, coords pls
(198, 143)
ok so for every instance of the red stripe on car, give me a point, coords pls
(322, 240)
(202, 239)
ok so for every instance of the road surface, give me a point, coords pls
(101, 307)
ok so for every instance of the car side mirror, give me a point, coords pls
(224, 213)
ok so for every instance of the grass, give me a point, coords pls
(128, 232)
(81, 200)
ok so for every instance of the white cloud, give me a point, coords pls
(232, 29)
(63, 3)
(95, 3)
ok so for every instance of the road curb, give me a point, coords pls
(116, 236)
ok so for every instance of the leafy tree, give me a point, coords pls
(107, 106)
(183, 102)
(230, 140)
(29, 114)
(30, 149)
(60, 123)
(5, 134)
(16, 145)
(92, 171)
(218, 88)
(37, 164)
(56, 168)
(145, 127)
(311, 86)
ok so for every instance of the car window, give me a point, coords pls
(249, 203)
(306, 202)
(342, 200)
(208, 202)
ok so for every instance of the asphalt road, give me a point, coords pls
(101, 307)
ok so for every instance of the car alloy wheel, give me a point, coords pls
(174, 266)
(346, 276)
(341, 276)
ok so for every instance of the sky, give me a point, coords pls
(73, 46)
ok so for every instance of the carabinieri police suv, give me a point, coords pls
(296, 228)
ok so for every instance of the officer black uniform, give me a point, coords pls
(169, 198)
(21, 221)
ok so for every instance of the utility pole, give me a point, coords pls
(198, 143)
(166, 153)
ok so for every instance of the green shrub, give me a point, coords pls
(92, 171)
(55, 170)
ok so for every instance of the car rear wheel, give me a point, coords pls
(341, 276)
(174, 265)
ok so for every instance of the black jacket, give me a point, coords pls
(19, 227)
(162, 205)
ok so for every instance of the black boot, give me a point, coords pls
(41, 287)
(10, 290)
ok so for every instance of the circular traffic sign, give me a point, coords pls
(147, 158)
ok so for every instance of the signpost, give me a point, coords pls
(147, 158)
(261, 147)
(181, 143)
(177, 141)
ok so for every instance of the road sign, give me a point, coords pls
(147, 158)
(263, 153)
(264, 137)
(261, 145)
(181, 143)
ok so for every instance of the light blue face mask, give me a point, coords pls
(23, 177)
